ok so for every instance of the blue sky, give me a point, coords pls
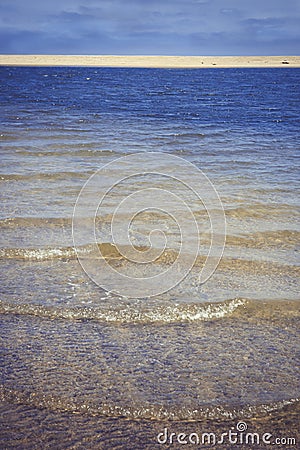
(158, 27)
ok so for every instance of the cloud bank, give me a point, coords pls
(173, 27)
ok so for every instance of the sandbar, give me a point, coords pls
(150, 61)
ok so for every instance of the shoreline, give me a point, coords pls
(152, 61)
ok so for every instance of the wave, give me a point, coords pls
(263, 239)
(107, 250)
(147, 411)
(111, 253)
(16, 222)
(38, 254)
(272, 212)
(170, 313)
(191, 135)
(10, 136)
(45, 176)
(75, 150)
(261, 210)
(164, 313)
(259, 239)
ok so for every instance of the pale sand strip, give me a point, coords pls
(150, 61)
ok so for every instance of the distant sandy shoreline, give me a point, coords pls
(150, 61)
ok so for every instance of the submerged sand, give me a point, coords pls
(150, 61)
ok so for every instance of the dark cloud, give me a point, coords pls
(150, 27)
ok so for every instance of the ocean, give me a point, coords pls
(150, 257)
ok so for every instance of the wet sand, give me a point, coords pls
(150, 61)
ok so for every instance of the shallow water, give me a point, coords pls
(87, 368)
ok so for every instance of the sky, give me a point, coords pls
(144, 27)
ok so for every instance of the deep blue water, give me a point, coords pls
(261, 100)
(232, 113)
(263, 97)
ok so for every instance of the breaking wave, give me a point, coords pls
(147, 411)
(127, 314)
